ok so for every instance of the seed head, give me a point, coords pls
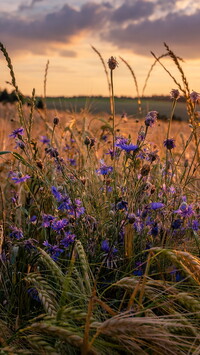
(55, 121)
(145, 170)
(112, 63)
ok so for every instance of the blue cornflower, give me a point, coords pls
(58, 196)
(104, 170)
(104, 137)
(138, 270)
(156, 205)
(18, 179)
(122, 205)
(20, 144)
(127, 147)
(169, 143)
(195, 225)
(68, 239)
(29, 244)
(151, 118)
(106, 247)
(44, 140)
(185, 210)
(33, 219)
(34, 294)
(176, 224)
(47, 220)
(72, 162)
(154, 231)
(59, 225)
(53, 250)
(16, 233)
(53, 152)
(121, 140)
(17, 132)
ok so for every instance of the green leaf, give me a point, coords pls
(20, 158)
(5, 152)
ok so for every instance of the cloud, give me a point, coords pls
(67, 53)
(23, 7)
(179, 30)
(55, 27)
(132, 11)
(137, 25)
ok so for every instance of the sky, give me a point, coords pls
(63, 31)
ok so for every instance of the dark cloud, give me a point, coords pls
(58, 26)
(133, 11)
(178, 30)
(130, 25)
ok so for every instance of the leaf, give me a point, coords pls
(5, 152)
(20, 158)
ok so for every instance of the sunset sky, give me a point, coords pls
(62, 31)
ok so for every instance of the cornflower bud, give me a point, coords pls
(175, 94)
(112, 63)
(55, 121)
(145, 170)
(87, 141)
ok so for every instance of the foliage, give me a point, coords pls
(99, 236)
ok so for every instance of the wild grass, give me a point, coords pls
(99, 229)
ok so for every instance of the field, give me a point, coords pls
(99, 227)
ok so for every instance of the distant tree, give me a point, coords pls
(12, 96)
(4, 96)
(40, 104)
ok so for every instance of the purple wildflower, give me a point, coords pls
(29, 244)
(72, 162)
(185, 210)
(195, 225)
(47, 220)
(53, 250)
(169, 143)
(106, 247)
(194, 96)
(151, 118)
(176, 224)
(18, 179)
(16, 233)
(121, 140)
(56, 193)
(53, 152)
(33, 219)
(20, 144)
(127, 147)
(138, 270)
(44, 140)
(175, 94)
(122, 205)
(17, 132)
(156, 205)
(154, 230)
(59, 225)
(34, 294)
(68, 239)
(104, 169)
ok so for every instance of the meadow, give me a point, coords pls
(99, 227)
